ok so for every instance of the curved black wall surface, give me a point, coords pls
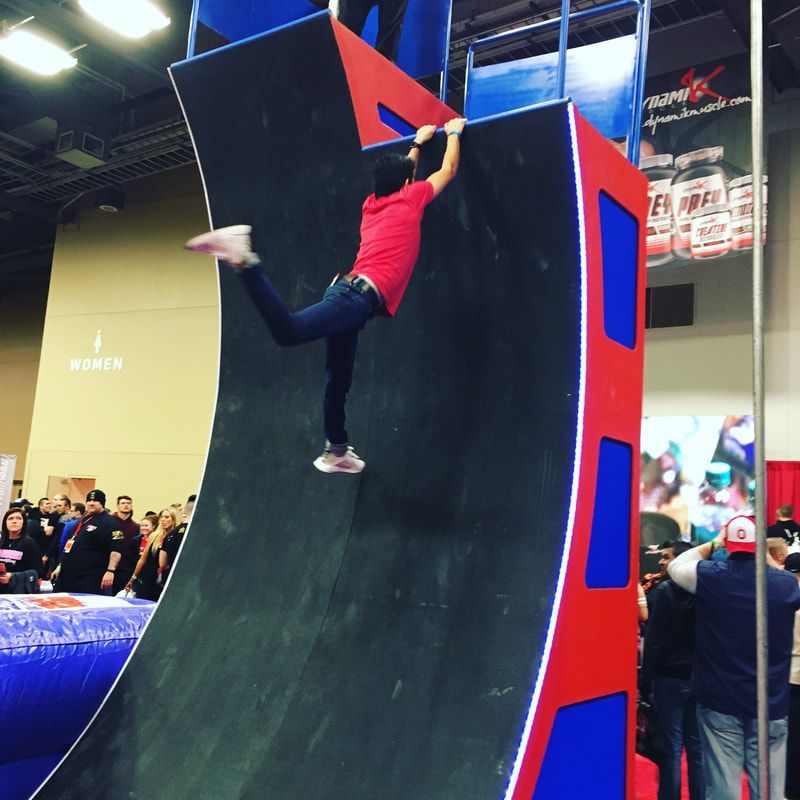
(374, 636)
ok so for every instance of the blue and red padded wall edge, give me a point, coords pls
(593, 652)
(375, 82)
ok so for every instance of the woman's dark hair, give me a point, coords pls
(4, 536)
(391, 171)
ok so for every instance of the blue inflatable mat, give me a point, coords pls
(59, 656)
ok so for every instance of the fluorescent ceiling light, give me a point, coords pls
(34, 53)
(131, 18)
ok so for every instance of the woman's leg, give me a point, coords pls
(342, 309)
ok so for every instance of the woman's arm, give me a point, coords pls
(137, 569)
(642, 602)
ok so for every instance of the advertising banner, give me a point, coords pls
(7, 466)
(696, 154)
(698, 471)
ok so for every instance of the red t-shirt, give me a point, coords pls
(390, 235)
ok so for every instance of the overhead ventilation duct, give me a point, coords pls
(81, 147)
(39, 132)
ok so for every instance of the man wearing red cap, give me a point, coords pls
(724, 676)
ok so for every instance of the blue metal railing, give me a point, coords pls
(193, 20)
(642, 31)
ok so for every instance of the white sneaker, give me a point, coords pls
(330, 462)
(231, 244)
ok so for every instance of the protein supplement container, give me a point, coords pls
(711, 231)
(659, 172)
(713, 508)
(742, 212)
(701, 181)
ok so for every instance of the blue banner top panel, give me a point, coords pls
(600, 79)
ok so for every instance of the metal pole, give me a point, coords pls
(757, 130)
(193, 20)
(639, 74)
(446, 63)
(563, 34)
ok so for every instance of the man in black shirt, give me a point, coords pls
(91, 555)
(56, 519)
(785, 526)
(37, 520)
(666, 672)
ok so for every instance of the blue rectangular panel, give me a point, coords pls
(585, 756)
(600, 80)
(609, 561)
(388, 117)
(619, 232)
(240, 20)
(424, 41)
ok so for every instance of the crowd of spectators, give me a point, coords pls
(698, 662)
(81, 547)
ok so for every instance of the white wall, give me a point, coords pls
(141, 430)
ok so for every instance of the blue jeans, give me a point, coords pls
(730, 745)
(677, 712)
(337, 318)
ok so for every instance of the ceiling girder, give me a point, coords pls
(28, 206)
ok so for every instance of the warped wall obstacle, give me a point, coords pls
(458, 621)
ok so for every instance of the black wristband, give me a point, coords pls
(416, 146)
(112, 571)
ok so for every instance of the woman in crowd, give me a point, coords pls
(20, 556)
(144, 580)
(133, 550)
(172, 542)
